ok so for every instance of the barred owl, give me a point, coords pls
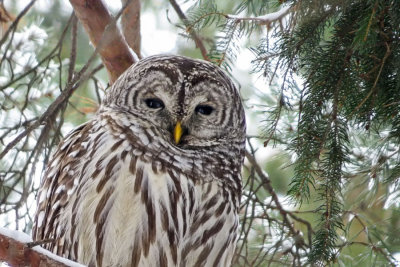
(154, 178)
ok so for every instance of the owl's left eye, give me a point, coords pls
(154, 103)
(204, 109)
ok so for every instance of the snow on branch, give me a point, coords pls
(15, 250)
(265, 19)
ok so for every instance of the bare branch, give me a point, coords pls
(72, 58)
(130, 22)
(267, 185)
(55, 107)
(105, 36)
(13, 26)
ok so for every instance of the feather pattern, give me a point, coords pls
(119, 192)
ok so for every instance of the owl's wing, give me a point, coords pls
(56, 186)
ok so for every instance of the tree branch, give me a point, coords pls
(105, 36)
(265, 19)
(130, 22)
(196, 38)
(16, 21)
(55, 107)
(15, 250)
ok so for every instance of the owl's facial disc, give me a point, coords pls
(191, 103)
(192, 122)
(189, 118)
(163, 90)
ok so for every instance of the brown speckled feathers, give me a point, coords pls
(154, 178)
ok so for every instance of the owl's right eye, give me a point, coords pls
(154, 103)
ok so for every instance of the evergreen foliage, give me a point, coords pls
(347, 56)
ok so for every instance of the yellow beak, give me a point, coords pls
(177, 132)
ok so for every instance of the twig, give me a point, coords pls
(40, 242)
(72, 57)
(16, 21)
(56, 105)
(17, 253)
(373, 89)
(267, 184)
(196, 38)
(37, 66)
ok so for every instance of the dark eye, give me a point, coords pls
(154, 103)
(204, 109)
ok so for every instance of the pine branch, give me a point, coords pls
(226, 47)
(274, 117)
(373, 89)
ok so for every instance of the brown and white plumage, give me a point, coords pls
(122, 190)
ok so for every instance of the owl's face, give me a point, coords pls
(191, 102)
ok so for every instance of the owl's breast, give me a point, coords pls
(148, 217)
(132, 208)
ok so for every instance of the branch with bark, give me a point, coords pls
(104, 34)
(130, 22)
(17, 249)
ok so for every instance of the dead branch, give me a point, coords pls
(130, 22)
(104, 35)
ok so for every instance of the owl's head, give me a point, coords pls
(193, 103)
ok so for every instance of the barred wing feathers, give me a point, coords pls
(107, 201)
